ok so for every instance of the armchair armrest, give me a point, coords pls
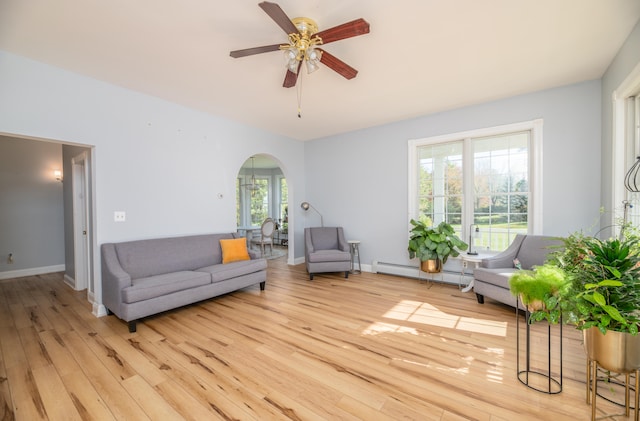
(343, 245)
(114, 279)
(505, 258)
(308, 243)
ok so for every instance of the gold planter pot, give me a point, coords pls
(431, 266)
(616, 351)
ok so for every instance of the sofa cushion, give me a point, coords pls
(329, 256)
(160, 285)
(234, 250)
(221, 273)
(144, 258)
(499, 277)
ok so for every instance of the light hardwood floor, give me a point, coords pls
(372, 347)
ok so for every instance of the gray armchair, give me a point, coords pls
(491, 279)
(326, 250)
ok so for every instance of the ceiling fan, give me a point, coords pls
(304, 42)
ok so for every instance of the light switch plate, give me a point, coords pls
(119, 216)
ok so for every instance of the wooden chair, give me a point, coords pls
(266, 235)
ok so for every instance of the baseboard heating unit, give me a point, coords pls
(408, 271)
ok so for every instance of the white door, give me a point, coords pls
(81, 220)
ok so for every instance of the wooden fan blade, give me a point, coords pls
(254, 50)
(338, 65)
(277, 14)
(346, 30)
(291, 78)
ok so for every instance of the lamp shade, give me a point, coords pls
(306, 206)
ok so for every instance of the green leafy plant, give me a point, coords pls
(430, 243)
(605, 283)
(540, 290)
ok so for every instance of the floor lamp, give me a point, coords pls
(306, 206)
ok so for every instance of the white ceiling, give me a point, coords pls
(421, 57)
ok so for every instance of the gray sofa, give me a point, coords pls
(491, 279)
(141, 278)
(326, 250)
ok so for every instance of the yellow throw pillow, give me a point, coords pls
(234, 250)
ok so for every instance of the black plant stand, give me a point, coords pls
(540, 379)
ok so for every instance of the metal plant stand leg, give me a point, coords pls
(592, 392)
(528, 375)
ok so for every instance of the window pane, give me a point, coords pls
(440, 184)
(501, 185)
(260, 201)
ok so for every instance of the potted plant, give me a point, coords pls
(603, 299)
(434, 245)
(540, 289)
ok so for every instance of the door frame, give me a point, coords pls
(81, 229)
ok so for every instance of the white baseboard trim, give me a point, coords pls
(409, 271)
(31, 272)
(99, 310)
(69, 281)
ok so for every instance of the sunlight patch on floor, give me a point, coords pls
(380, 327)
(432, 366)
(425, 313)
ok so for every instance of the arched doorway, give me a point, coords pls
(262, 192)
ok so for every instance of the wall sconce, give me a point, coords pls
(306, 206)
(58, 175)
(473, 234)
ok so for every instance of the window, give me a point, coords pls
(259, 201)
(252, 200)
(626, 147)
(632, 146)
(283, 213)
(483, 177)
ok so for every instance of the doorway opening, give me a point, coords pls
(262, 192)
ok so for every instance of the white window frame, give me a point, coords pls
(535, 222)
(625, 147)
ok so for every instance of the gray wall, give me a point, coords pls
(163, 164)
(366, 189)
(31, 206)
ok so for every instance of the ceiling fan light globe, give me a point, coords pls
(292, 65)
(290, 54)
(312, 66)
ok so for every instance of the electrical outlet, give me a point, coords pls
(10, 258)
(465, 264)
(119, 216)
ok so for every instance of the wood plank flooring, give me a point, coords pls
(373, 347)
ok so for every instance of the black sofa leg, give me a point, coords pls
(262, 285)
(109, 312)
(132, 326)
(480, 298)
(346, 274)
(311, 276)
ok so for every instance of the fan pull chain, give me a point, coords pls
(299, 93)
